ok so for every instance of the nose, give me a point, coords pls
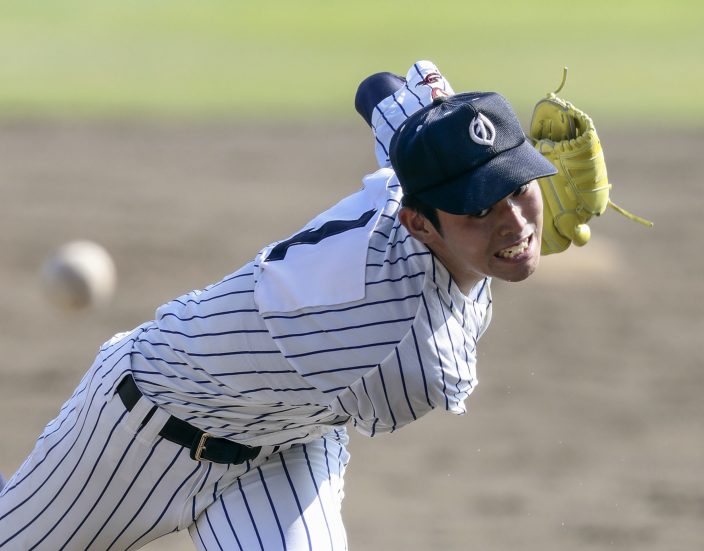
(512, 219)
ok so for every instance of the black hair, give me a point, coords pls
(431, 213)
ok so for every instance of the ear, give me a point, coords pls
(418, 225)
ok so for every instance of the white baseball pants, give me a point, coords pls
(98, 479)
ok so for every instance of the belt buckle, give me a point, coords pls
(201, 447)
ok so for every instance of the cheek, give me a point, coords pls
(539, 213)
(539, 202)
(534, 207)
(475, 247)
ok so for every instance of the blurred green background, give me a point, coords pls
(635, 62)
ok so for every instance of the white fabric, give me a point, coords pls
(331, 271)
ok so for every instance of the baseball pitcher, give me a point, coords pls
(226, 414)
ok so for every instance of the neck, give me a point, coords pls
(464, 280)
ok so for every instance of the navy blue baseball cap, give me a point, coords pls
(463, 153)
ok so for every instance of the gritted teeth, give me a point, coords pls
(514, 250)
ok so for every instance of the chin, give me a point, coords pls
(522, 275)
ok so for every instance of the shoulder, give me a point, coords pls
(324, 264)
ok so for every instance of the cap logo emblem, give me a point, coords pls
(481, 130)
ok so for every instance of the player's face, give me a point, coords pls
(501, 242)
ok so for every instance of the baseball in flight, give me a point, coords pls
(79, 275)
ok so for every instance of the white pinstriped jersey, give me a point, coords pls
(227, 361)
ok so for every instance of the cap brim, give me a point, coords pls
(489, 183)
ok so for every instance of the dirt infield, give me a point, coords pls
(586, 429)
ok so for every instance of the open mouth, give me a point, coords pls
(515, 250)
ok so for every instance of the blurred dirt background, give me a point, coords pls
(586, 429)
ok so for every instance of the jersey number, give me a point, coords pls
(311, 237)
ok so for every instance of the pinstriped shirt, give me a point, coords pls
(220, 360)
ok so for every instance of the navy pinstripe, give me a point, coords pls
(249, 512)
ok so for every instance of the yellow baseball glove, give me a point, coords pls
(567, 138)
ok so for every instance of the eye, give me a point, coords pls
(481, 214)
(521, 190)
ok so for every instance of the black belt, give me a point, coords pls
(203, 446)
